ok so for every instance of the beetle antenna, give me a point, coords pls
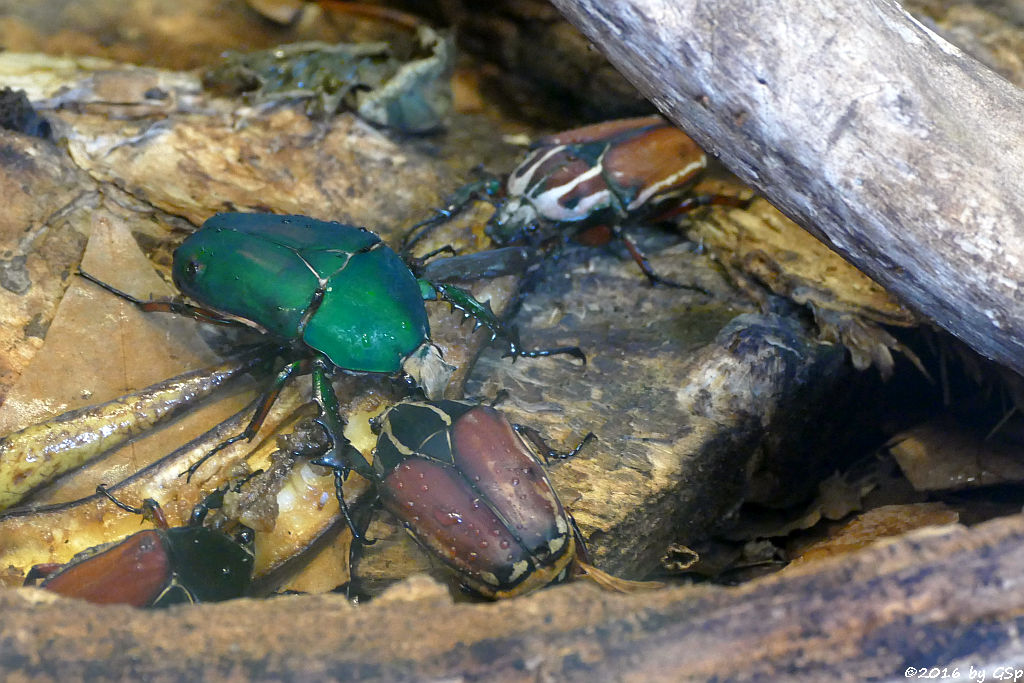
(150, 510)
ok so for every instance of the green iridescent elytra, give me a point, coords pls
(272, 270)
(335, 295)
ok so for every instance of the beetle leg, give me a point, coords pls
(215, 499)
(696, 201)
(41, 571)
(446, 249)
(342, 454)
(343, 457)
(485, 188)
(546, 451)
(645, 265)
(581, 543)
(339, 479)
(483, 315)
(204, 315)
(340, 465)
(262, 409)
(355, 550)
(487, 264)
(417, 264)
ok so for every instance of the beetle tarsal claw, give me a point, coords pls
(429, 370)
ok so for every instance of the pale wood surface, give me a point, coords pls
(864, 126)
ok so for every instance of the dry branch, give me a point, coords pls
(864, 126)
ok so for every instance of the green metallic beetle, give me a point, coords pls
(331, 296)
(334, 288)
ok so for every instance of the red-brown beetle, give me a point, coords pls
(471, 488)
(156, 567)
(586, 182)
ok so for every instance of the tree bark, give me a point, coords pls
(873, 133)
(936, 604)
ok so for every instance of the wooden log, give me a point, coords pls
(876, 135)
(938, 598)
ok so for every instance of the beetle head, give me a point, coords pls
(512, 220)
(189, 268)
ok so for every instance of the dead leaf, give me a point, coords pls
(942, 455)
(100, 347)
(882, 522)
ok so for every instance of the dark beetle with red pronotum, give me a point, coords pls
(157, 567)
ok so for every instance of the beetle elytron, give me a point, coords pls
(473, 491)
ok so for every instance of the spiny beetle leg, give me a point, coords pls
(696, 201)
(266, 401)
(215, 499)
(645, 265)
(482, 314)
(204, 315)
(546, 451)
(343, 457)
(485, 188)
(150, 509)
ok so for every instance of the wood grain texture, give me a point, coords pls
(861, 124)
(940, 598)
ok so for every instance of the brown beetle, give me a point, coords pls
(587, 182)
(472, 489)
